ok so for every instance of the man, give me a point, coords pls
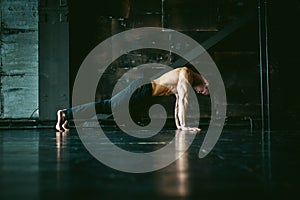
(174, 82)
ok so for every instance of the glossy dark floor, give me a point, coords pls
(41, 164)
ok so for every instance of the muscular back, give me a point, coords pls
(167, 84)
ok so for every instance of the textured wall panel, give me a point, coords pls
(19, 55)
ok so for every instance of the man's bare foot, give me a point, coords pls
(62, 123)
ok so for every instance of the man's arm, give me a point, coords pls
(182, 102)
(176, 113)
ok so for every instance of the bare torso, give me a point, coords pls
(167, 84)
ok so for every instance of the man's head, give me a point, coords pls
(200, 84)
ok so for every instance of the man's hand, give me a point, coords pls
(184, 128)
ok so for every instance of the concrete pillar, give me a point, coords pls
(53, 58)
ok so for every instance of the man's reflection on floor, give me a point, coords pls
(61, 143)
(174, 179)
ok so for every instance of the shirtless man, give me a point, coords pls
(174, 82)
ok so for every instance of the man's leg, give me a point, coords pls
(138, 91)
(116, 103)
(84, 110)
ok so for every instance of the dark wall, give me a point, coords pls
(284, 41)
(237, 58)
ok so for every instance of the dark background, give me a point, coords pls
(237, 55)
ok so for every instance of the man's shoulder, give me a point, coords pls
(185, 74)
(185, 71)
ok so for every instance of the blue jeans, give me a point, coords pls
(140, 91)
